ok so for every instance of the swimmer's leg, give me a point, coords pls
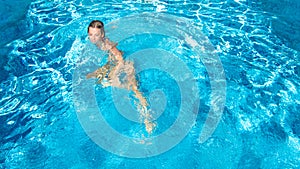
(139, 95)
(131, 84)
(145, 115)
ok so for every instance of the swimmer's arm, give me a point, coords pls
(118, 54)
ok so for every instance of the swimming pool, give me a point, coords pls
(256, 42)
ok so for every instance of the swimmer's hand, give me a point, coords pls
(91, 75)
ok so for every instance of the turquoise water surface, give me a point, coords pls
(256, 41)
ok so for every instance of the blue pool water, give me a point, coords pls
(257, 42)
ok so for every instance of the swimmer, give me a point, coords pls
(116, 66)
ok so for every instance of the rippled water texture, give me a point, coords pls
(258, 45)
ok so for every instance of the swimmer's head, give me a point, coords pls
(96, 31)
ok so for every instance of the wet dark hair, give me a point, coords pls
(95, 24)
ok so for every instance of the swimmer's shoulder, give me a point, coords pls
(109, 44)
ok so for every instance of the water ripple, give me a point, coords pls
(262, 70)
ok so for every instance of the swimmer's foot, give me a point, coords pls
(150, 126)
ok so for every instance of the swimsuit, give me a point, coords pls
(104, 71)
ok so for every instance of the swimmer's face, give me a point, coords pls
(95, 34)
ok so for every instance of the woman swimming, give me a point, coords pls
(116, 66)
